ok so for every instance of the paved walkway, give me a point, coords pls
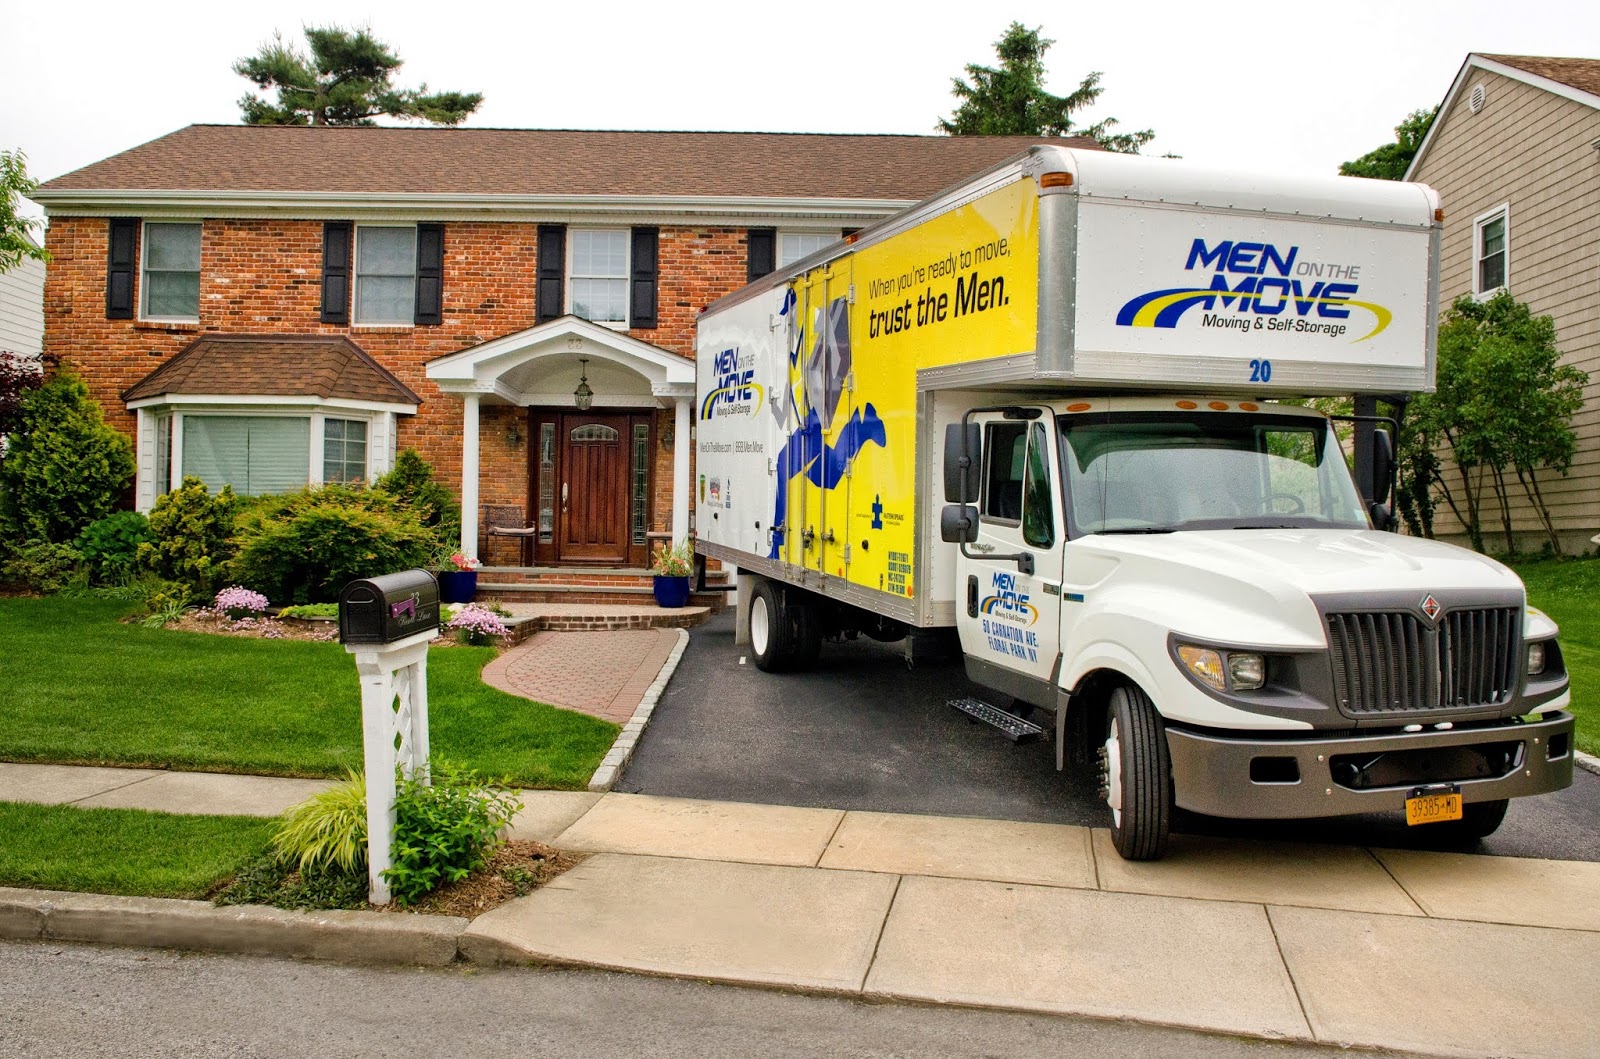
(604, 674)
(1440, 953)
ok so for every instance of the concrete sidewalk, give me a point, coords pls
(1438, 953)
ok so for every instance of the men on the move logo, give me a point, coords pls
(1267, 289)
(736, 392)
(1006, 615)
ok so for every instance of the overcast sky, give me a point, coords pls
(1286, 86)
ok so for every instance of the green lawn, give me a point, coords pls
(124, 851)
(77, 686)
(1569, 591)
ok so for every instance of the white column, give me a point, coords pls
(469, 476)
(682, 487)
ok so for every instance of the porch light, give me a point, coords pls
(583, 396)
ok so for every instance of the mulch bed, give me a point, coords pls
(267, 628)
(519, 868)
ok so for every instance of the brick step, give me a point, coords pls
(603, 579)
(512, 592)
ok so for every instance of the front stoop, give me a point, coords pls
(529, 618)
(579, 586)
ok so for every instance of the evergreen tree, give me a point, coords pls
(64, 467)
(1391, 161)
(1011, 100)
(347, 79)
(15, 229)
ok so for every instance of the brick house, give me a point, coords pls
(1515, 154)
(273, 306)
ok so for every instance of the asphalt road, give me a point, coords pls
(861, 731)
(71, 1001)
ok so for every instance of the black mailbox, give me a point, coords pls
(388, 608)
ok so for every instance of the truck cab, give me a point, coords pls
(1193, 588)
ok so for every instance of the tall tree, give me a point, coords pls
(1011, 100)
(1391, 161)
(15, 228)
(347, 79)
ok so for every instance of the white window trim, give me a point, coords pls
(380, 420)
(355, 277)
(144, 252)
(627, 276)
(833, 235)
(1478, 223)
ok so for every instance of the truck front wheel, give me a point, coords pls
(1138, 775)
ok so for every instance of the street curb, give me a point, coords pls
(605, 777)
(158, 922)
(1588, 762)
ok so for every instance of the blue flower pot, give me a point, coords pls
(458, 586)
(671, 592)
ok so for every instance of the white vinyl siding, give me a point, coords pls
(386, 275)
(598, 275)
(254, 454)
(170, 281)
(22, 308)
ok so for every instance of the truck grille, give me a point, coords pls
(1392, 662)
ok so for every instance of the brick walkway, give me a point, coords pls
(604, 674)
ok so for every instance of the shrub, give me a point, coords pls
(476, 625)
(272, 879)
(446, 831)
(64, 468)
(191, 536)
(413, 483)
(305, 547)
(311, 610)
(44, 567)
(111, 546)
(328, 830)
(235, 602)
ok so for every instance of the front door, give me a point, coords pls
(592, 520)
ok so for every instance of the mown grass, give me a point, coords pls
(78, 686)
(124, 851)
(1569, 591)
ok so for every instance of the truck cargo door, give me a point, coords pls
(819, 526)
(1008, 616)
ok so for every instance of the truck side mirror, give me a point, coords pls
(963, 446)
(1383, 466)
(958, 524)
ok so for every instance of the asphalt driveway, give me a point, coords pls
(861, 731)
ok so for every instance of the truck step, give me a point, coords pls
(1011, 726)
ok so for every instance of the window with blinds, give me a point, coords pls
(253, 454)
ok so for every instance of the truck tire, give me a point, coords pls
(1478, 820)
(772, 632)
(1138, 775)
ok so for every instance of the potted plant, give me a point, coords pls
(671, 569)
(458, 579)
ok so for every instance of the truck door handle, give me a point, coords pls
(828, 537)
(972, 595)
(807, 536)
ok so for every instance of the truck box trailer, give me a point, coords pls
(1046, 409)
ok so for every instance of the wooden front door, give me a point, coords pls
(592, 524)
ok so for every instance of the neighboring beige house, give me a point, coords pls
(22, 308)
(1515, 154)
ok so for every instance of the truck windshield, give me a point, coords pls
(1158, 472)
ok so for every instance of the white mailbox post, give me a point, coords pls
(386, 623)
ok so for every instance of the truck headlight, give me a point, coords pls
(1205, 664)
(1238, 670)
(1247, 671)
(1535, 659)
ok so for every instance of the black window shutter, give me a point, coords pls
(763, 252)
(551, 292)
(642, 285)
(336, 272)
(122, 246)
(430, 274)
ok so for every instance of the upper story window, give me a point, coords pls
(792, 246)
(386, 274)
(1491, 250)
(597, 276)
(171, 272)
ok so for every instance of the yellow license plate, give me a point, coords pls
(1433, 808)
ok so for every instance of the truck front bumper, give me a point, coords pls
(1255, 778)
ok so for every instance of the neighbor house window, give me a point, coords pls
(792, 246)
(386, 275)
(344, 450)
(1491, 238)
(171, 272)
(254, 454)
(598, 276)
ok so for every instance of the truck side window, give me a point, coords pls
(1038, 510)
(1004, 450)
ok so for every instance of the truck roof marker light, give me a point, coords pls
(1218, 406)
(1249, 406)
(1187, 406)
(852, 238)
(1081, 406)
(1438, 216)
(1055, 180)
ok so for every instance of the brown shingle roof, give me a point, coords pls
(548, 162)
(1582, 74)
(327, 366)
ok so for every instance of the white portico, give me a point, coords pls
(581, 406)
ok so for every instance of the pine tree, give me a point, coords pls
(347, 79)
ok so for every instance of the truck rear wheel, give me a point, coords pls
(779, 633)
(1138, 776)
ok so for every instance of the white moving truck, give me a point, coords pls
(1042, 408)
